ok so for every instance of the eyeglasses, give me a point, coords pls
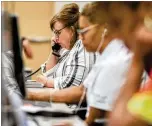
(58, 32)
(85, 30)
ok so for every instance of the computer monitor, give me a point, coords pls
(17, 50)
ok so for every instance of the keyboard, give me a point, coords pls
(33, 84)
(46, 109)
(38, 103)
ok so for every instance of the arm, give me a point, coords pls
(8, 71)
(93, 115)
(76, 69)
(126, 119)
(131, 86)
(11, 82)
(51, 62)
(52, 59)
(67, 95)
(133, 81)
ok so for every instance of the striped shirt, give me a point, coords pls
(72, 68)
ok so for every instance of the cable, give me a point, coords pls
(80, 102)
(33, 72)
(34, 120)
(38, 68)
(84, 92)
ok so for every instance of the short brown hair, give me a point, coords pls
(69, 16)
(112, 13)
(93, 11)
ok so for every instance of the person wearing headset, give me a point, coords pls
(69, 63)
(110, 71)
(107, 75)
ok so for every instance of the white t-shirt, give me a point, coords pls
(108, 75)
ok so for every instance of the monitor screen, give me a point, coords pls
(17, 49)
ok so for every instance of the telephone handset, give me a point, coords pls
(55, 49)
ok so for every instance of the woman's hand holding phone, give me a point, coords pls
(55, 47)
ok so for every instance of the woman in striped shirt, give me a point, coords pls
(74, 63)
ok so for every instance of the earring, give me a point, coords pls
(104, 32)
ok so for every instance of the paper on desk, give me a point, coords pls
(55, 107)
(60, 121)
(68, 121)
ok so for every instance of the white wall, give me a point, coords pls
(59, 5)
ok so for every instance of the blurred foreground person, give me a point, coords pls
(109, 73)
(135, 28)
(11, 100)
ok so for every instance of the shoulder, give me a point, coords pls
(78, 44)
(7, 59)
(121, 59)
(118, 50)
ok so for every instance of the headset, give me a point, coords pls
(102, 39)
(85, 89)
